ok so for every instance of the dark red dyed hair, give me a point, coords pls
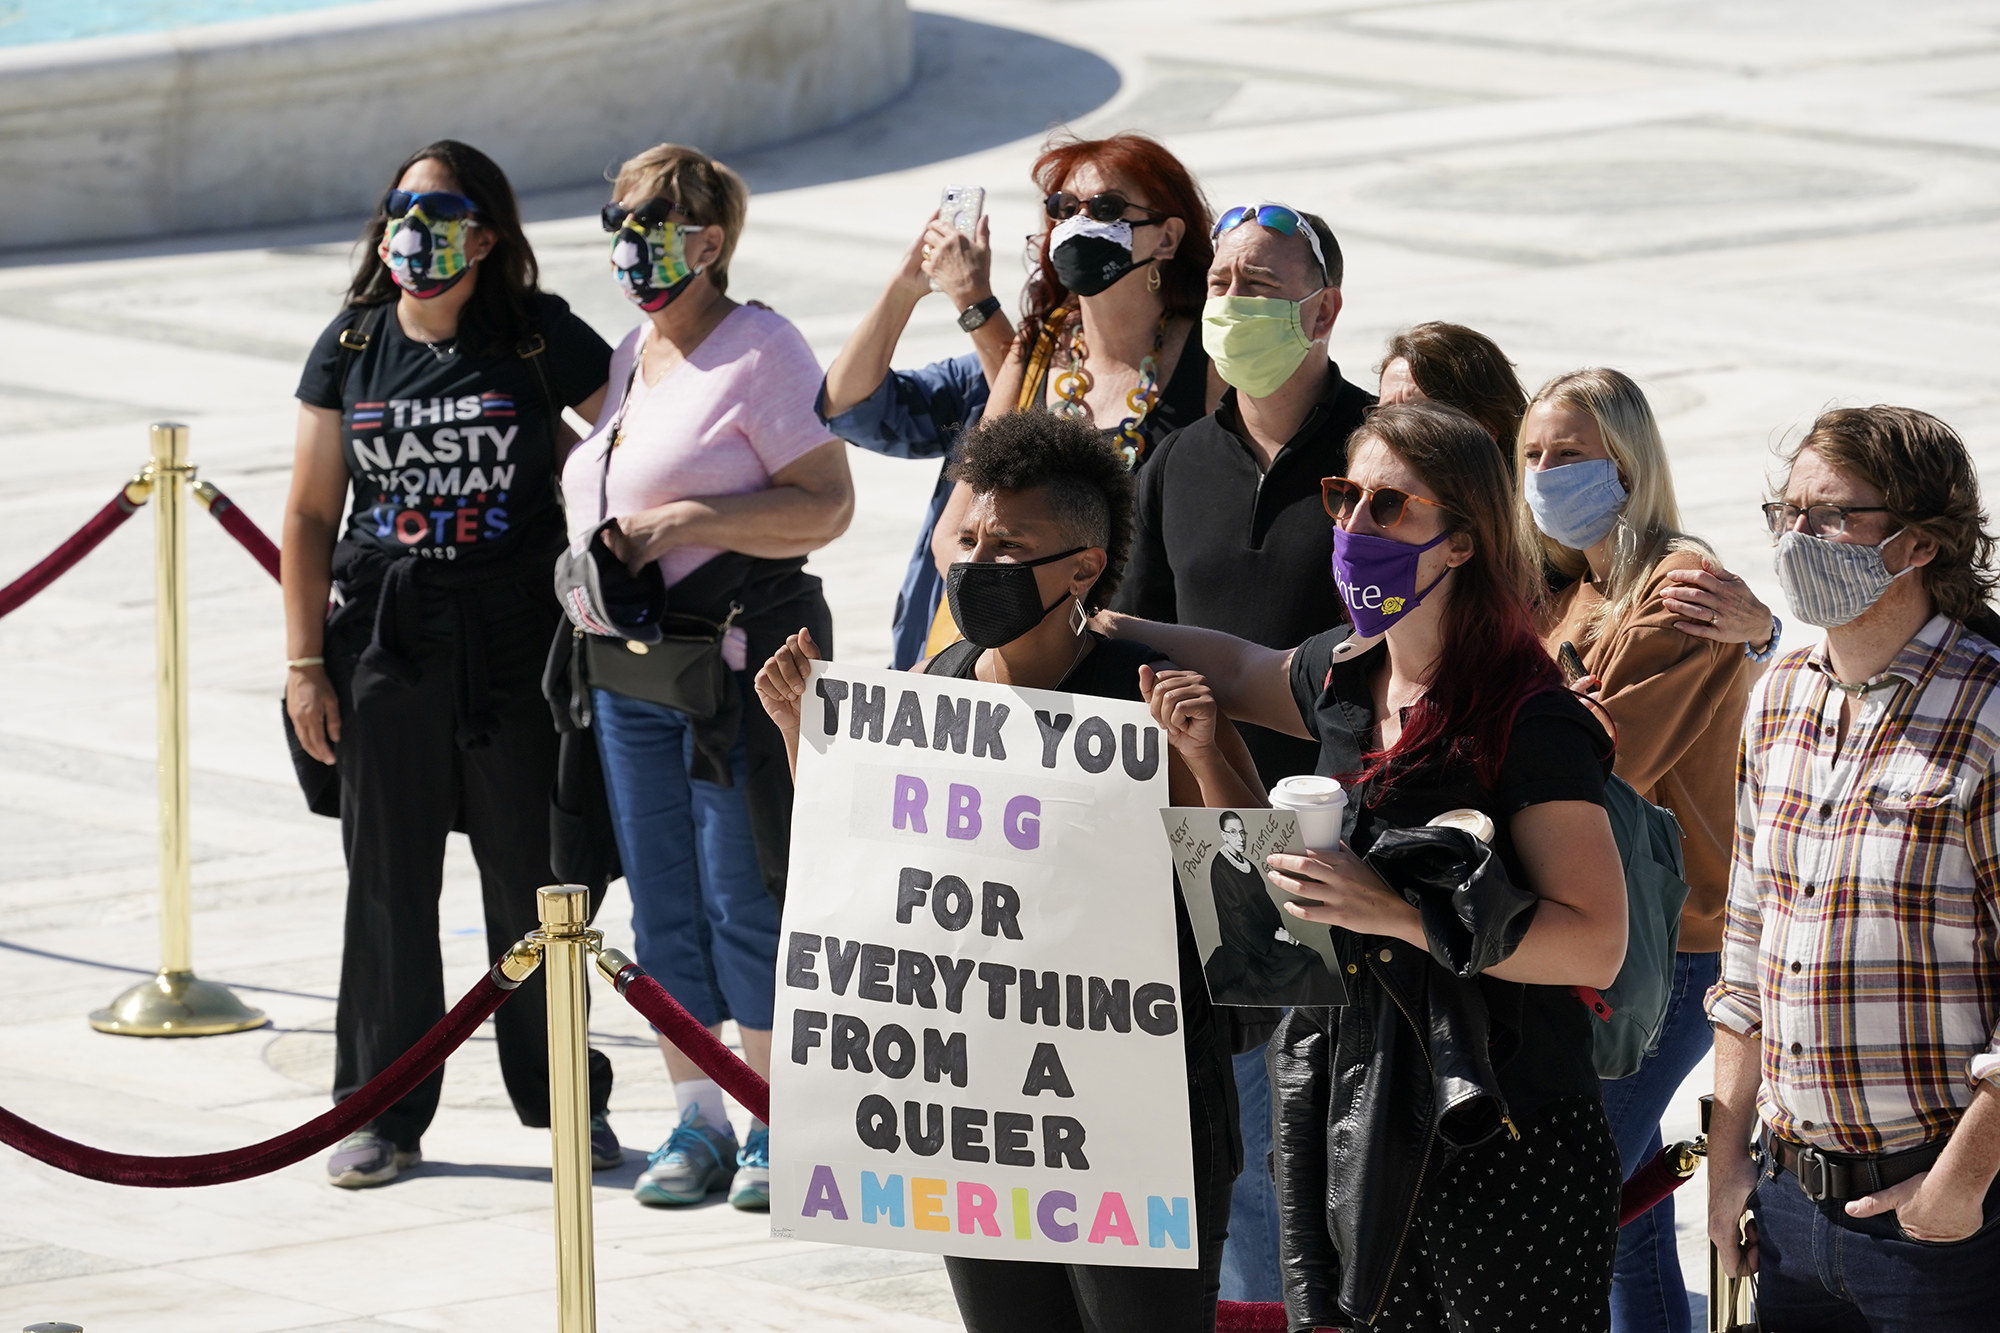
(1492, 661)
(1148, 169)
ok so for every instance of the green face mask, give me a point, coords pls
(1256, 342)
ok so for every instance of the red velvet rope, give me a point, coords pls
(1649, 1184)
(216, 1168)
(1249, 1317)
(238, 525)
(717, 1061)
(80, 544)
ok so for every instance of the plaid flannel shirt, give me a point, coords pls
(1863, 933)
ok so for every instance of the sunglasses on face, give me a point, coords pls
(653, 213)
(1107, 207)
(1387, 506)
(1273, 217)
(437, 205)
(1821, 520)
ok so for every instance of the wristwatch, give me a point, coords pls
(978, 313)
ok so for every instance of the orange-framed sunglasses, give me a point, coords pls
(1387, 506)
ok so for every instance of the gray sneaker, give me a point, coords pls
(366, 1158)
(697, 1160)
(605, 1153)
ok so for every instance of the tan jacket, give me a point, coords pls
(1678, 703)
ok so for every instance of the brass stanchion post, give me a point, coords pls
(566, 940)
(175, 1002)
(1730, 1307)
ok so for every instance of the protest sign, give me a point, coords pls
(978, 1047)
(1252, 952)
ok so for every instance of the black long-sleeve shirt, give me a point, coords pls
(1222, 544)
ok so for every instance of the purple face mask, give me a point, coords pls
(1377, 578)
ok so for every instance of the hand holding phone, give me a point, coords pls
(1571, 662)
(959, 209)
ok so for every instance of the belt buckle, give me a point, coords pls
(1814, 1176)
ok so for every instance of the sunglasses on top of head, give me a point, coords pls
(653, 213)
(437, 205)
(1273, 217)
(1109, 206)
(1387, 506)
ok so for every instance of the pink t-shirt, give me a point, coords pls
(721, 423)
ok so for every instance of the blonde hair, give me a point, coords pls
(1648, 528)
(709, 193)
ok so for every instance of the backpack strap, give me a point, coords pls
(531, 351)
(954, 660)
(354, 340)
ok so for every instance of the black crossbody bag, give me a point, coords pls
(685, 670)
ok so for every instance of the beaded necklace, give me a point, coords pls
(1074, 382)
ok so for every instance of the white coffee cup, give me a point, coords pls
(1321, 806)
(1476, 822)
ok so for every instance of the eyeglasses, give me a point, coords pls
(1275, 217)
(1387, 506)
(437, 205)
(1821, 520)
(1109, 206)
(653, 213)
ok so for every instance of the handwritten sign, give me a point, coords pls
(978, 1048)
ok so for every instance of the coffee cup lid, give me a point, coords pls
(1308, 790)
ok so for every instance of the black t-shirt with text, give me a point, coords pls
(450, 452)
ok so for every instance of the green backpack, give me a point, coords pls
(1633, 1009)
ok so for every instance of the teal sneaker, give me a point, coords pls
(752, 1191)
(697, 1160)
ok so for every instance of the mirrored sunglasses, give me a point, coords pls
(437, 205)
(1274, 217)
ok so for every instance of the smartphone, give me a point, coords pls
(1571, 662)
(960, 207)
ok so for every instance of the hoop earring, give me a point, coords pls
(1077, 616)
(1153, 277)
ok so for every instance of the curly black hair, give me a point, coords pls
(1086, 482)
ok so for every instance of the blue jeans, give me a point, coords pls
(1821, 1271)
(706, 927)
(1250, 1257)
(1648, 1294)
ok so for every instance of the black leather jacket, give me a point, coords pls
(1375, 1097)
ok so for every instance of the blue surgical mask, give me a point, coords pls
(1575, 505)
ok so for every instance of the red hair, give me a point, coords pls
(1150, 170)
(1492, 660)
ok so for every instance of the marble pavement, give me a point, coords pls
(1758, 208)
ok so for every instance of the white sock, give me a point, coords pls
(707, 1094)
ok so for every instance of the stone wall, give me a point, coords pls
(304, 116)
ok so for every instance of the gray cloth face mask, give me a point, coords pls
(1830, 583)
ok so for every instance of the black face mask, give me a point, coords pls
(995, 604)
(1088, 256)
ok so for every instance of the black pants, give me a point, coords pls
(405, 784)
(1516, 1236)
(1007, 1296)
